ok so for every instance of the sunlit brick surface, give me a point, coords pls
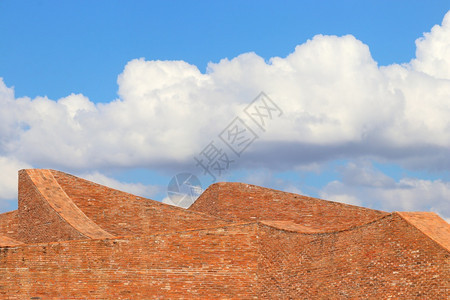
(238, 201)
(74, 239)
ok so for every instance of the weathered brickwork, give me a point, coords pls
(74, 239)
(215, 263)
(9, 224)
(387, 258)
(38, 221)
(124, 214)
(246, 202)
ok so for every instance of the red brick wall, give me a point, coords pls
(122, 214)
(245, 202)
(38, 222)
(9, 224)
(197, 264)
(387, 258)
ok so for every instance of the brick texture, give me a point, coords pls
(431, 225)
(9, 224)
(216, 263)
(387, 258)
(37, 220)
(74, 239)
(121, 213)
(246, 202)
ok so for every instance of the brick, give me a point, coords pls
(71, 238)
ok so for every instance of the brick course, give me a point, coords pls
(214, 263)
(71, 238)
(9, 224)
(121, 213)
(245, 202)
(37, 220)
(385, 258)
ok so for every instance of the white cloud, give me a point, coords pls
(363, 174)
(182, 200)
(363, 185)
(267, 178)
(138, 189)
(9, 167)
(337, 103)
(168, 200)
(433, 51)
(332, 92)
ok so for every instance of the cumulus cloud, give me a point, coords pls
(433, 51)
(332, 92)
(362, 184)
(337, 103)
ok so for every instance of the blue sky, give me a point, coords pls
(55, 48)
(364, 106)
